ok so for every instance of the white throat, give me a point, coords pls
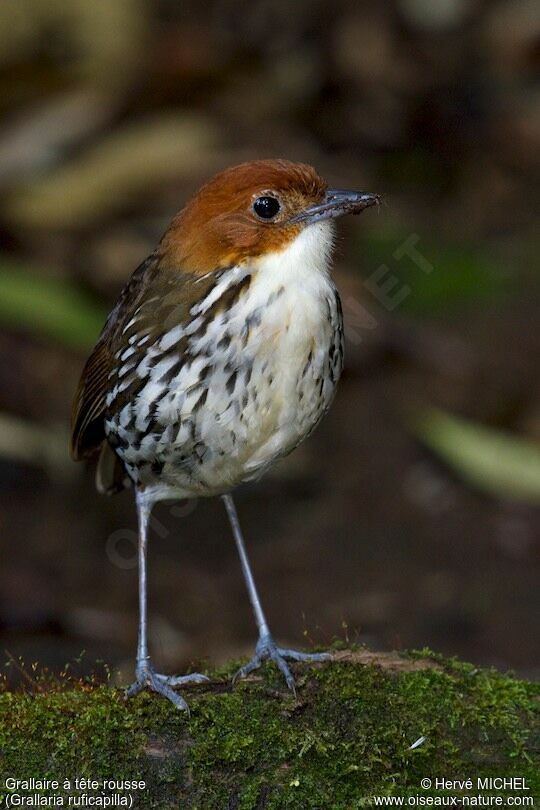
(306, 256)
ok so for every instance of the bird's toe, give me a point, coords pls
(245, 670)
(147, 678)
(296, 655)
(267, 649)
(283, 667)
(183, 680)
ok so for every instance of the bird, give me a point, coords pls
(221, 354)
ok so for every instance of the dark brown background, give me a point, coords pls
(112, 114)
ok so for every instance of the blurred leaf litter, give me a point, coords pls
(124, 165)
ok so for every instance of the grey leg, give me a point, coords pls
(266, 646)
(144, 508)
(260, 618)
(146, 677)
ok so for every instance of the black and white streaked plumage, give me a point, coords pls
(221, 355)
(220, 391)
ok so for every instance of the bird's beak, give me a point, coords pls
(335, 204)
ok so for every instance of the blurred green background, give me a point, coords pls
(411, 517)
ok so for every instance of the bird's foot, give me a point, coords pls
(267, 649)
(147, 678)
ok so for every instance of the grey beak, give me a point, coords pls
(335, 204)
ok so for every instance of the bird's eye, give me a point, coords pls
(266, 207)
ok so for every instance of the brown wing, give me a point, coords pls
(87, 428)
(89, 404)
(162, 297)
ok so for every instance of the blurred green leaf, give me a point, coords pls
(459, 275)
(48, 307)
(497, 463)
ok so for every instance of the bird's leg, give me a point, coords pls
(266, 646)
(146, 676)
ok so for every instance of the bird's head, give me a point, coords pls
(251, 210)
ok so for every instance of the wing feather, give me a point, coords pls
(155, 300)
(87, 417)
(87, 431)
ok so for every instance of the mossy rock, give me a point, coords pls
(347, 736)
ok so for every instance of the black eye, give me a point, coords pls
(266, 207)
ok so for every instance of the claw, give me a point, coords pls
(267, 649)
(147, 678)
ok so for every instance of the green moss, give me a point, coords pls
(345, 738)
